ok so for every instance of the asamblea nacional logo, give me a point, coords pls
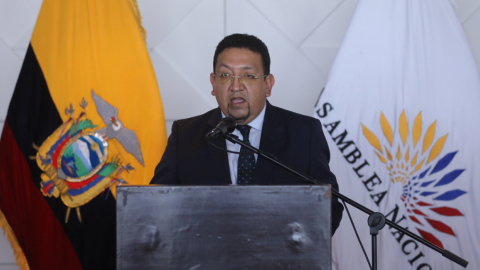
(75, 159)
(418, 163)
(417, 188)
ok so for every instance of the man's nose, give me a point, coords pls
(236, 83)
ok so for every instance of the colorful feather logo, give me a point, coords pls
(415, 161)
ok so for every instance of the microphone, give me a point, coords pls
(227, 124)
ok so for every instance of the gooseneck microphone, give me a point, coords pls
(227, 124)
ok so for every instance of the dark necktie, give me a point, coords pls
(246, 159)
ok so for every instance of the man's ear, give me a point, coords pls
(212, 81)
(269, 81)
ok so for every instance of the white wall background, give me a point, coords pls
(303, 37)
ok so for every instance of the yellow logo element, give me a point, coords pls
(408, 156)
(425, 192)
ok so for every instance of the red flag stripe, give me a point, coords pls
(18, 194)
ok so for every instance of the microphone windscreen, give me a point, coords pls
(229, 124)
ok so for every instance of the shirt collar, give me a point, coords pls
(257, 123)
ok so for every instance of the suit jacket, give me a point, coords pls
(296, 140)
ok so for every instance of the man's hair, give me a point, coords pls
(244, 41)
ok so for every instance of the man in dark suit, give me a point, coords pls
(241, 84)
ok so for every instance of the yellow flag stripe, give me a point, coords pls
(97, 45)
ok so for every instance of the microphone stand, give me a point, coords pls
(376, 220)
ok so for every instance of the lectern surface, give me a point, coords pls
(223, 227)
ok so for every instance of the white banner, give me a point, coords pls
(401, 115)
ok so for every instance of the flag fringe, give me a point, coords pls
(17, 250)
(138, 17)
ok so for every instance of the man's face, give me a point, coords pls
(238, 100)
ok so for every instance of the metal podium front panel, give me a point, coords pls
(223, 227)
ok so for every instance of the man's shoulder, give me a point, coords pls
(201, 119)
(290, 116)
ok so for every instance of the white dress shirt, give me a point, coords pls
(254, 138)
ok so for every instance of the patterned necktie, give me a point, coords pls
(246, 160)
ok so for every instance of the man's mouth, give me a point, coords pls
(237, 100)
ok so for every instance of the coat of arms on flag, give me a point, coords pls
(75, 159)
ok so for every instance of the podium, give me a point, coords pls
(223, 227)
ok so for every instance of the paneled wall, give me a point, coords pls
(303, 37)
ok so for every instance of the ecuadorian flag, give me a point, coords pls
(85, 117)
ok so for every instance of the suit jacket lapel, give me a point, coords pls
(271, 141)
(218, 157)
